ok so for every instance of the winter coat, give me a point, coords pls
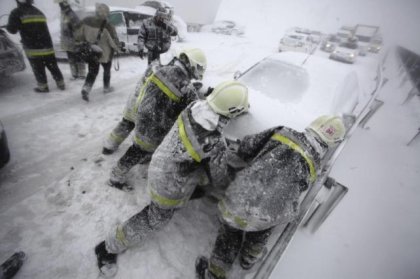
(266, 193)
(166, 92)
(156, 36)
(180, 162)
(31, 23)
(70, 22)
(108, 41)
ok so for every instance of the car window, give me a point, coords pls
(116, 19)
(135, 19)
(279, 80)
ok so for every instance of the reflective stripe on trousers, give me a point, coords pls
(31, 53)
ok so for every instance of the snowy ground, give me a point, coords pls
(55, 205)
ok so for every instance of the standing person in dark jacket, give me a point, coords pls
(166, 91)
(177, 166)
(70, 22)
(31, 23)
(108, 42)
(155, 35)
(281, 164)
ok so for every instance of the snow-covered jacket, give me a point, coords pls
(156, 36)
(167, 90)
(31, 23)
(108, 41)
(70, 22)
(282, 163)
(180, 162)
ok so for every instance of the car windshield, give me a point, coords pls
(279, 80)
(116, 19)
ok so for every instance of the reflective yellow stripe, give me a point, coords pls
(226, 214)
(146, 146)
(163, 200)
(217, 270)
(39, 52)
(298, 149)
(33, 20)
(164, 88)
(120, 236)
(116, 138)
(185, 140)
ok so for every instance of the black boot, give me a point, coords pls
(201, 267)
(85, 95)
(107, 151)
(12, 265)
(107, 262)
(120, 186)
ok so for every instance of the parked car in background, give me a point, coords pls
(4, 147)
(226, 27)
(11, 58)
(344, 54)
(296, 42)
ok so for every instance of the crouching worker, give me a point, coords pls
(177, 167)
(162, 95)
(282, 164)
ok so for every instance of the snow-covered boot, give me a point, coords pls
(85, 95)
(202, 269)
(61, 85)
(247, 262)
(107, 151)
(41, 89)
(12, 265)
(123, 186)
(108, 89)
(107, 262)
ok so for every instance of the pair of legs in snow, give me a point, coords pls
(77, 65)
(93, 70)
(38, 65)
(229, 244)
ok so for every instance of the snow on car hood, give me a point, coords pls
(320, 88)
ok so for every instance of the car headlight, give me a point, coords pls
(351, 55)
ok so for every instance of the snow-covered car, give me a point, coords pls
(283, 91)
(226, 27)
(11, 58)
(4, 147)
(329, 43)
(292, 89)
(375, 45)
(295, 42)
(344, 54)
(149, 8)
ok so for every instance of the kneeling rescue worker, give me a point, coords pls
(177, 167)
(282, 163)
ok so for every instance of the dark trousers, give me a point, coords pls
(93, 70)
(133, 156)
(152, 55)
(39, 64)
(230, 242)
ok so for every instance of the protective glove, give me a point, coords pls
(142, 54)
(209, 90)
(197, 85)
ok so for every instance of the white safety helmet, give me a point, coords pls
(229, 98)
(330, 129)
(197, 61)
(101, 10)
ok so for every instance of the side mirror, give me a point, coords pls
(237, 75)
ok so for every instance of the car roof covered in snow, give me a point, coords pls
(292, 89)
